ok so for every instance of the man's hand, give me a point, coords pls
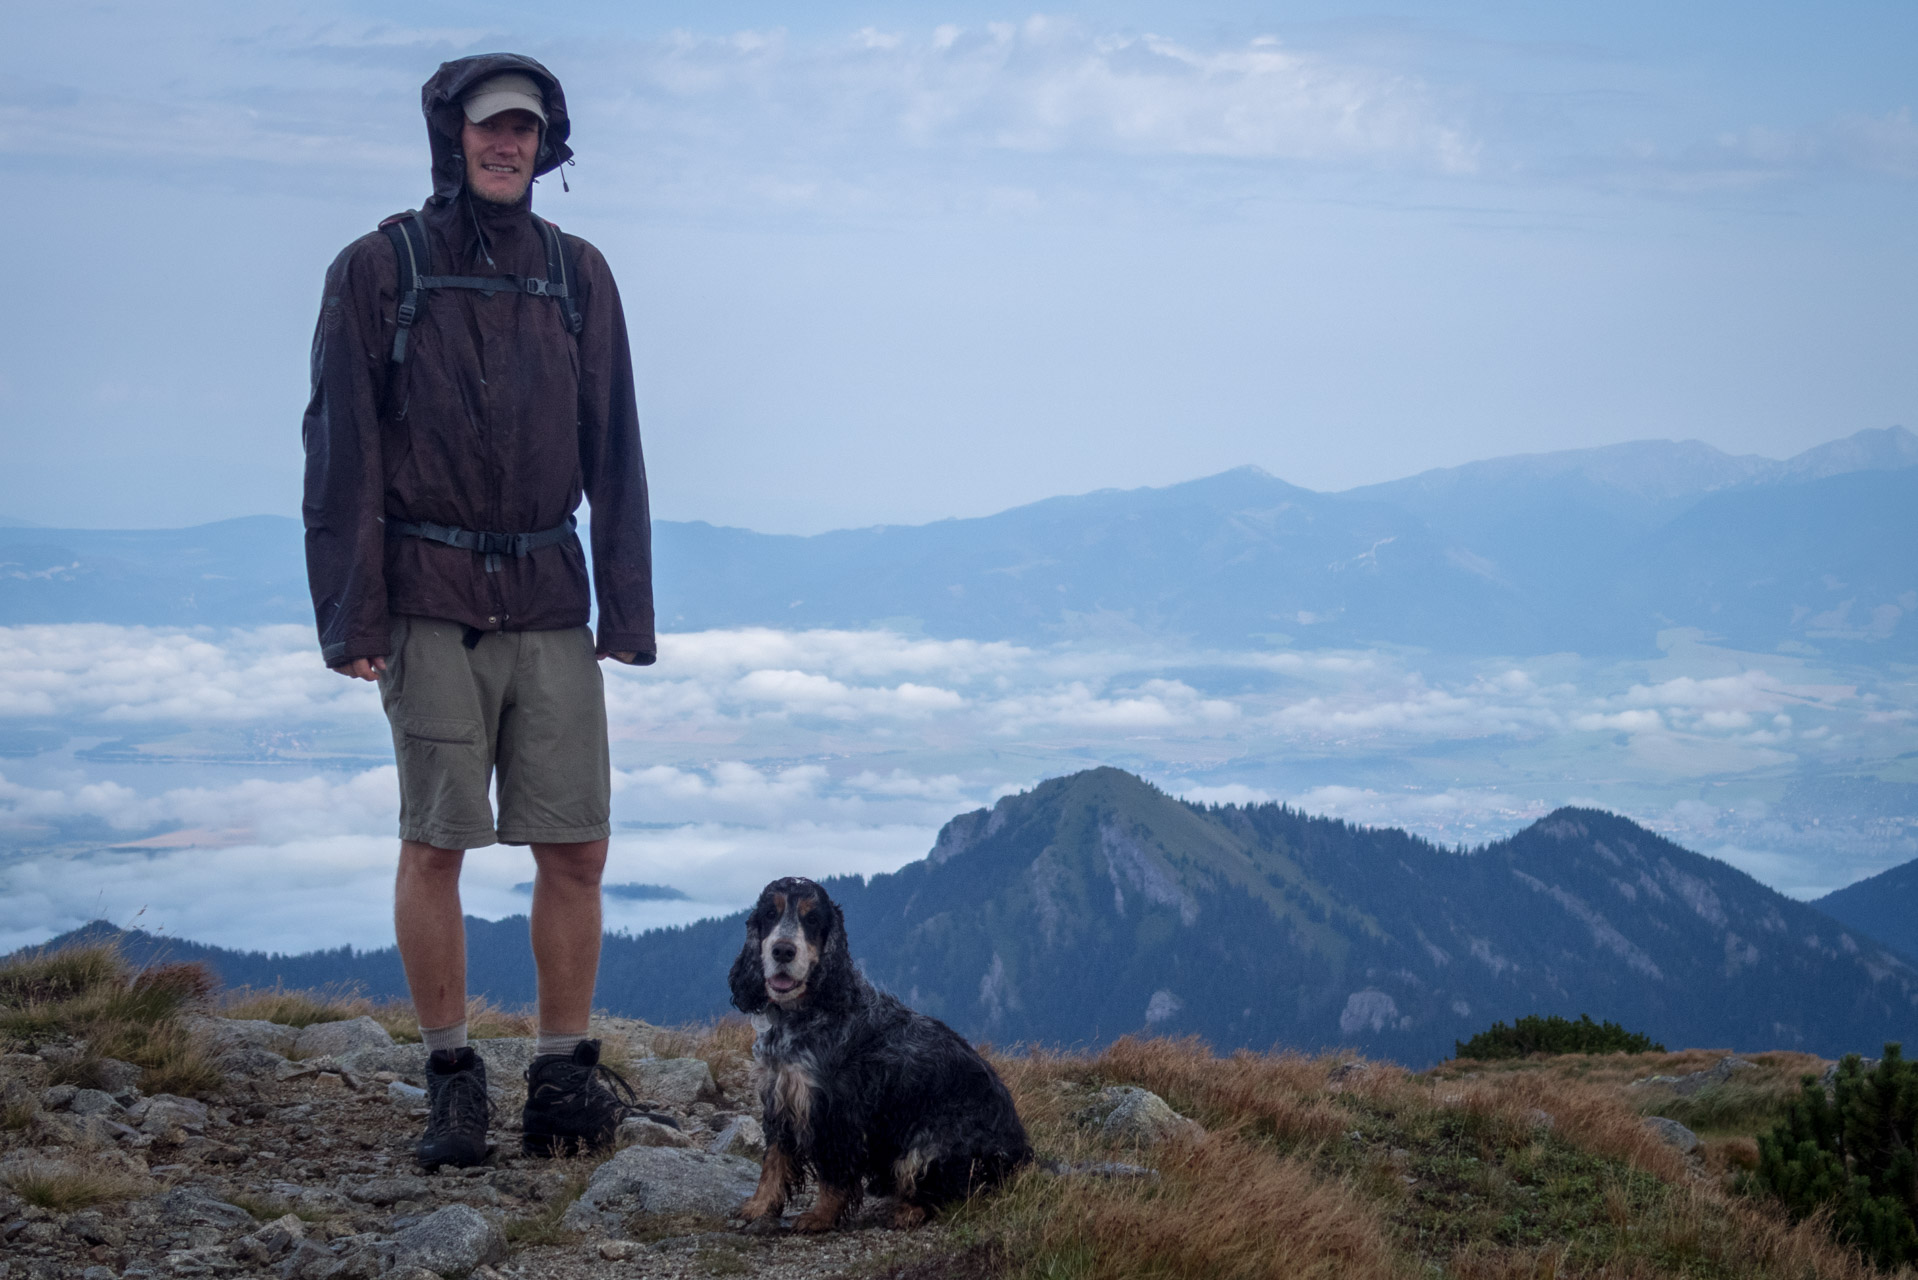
(363, 668)
(626, 658)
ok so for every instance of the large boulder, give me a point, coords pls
(224, 1034)
(407, 1061)
(336, 1039)
(506, 1058)
(742, 1136)
(661, 1180)
(165, 1116)
(116, 1077)
(1693, 1082)
(644, 1131)
(1673, 1134)
(94, 1102)
(675, 1083)
(184, 1205)
(450, 1242)
(1138, 1117)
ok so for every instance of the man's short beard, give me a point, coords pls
(481, 196)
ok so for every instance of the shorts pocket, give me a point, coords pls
(463, 733)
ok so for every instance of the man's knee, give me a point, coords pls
(577, 865)
(428, 864)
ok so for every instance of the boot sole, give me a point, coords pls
(463, 1161)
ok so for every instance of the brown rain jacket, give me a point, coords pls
(497, 421)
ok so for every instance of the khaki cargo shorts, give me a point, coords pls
(527, 705)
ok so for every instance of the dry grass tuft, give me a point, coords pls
(1223, 1206)
(91, 993)
(484, 1019)
(43, 977)
(725, 1046)
(16, 1115)
(1279, 1096)
(64, 1188)
(291, 1008)
(1590, 1116)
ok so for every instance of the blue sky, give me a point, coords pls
(889, 263)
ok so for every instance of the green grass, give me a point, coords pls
(1734, 1107)
(542, 1226)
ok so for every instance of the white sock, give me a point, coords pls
(557, 1042)
(447, 1038)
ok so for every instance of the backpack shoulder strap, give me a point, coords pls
(562, 275)
(414, 253)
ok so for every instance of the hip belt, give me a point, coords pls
(491, 545)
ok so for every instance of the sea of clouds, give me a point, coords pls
(223, 786)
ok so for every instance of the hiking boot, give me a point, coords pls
(573, 1103)
(458, 1109)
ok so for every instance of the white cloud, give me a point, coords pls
(316, 805)
(842, 750)
(129, 675)
(1153, 705)
(1230, 793)
(1452, 815)
(809, 693)
(748, 119)
(1621, 721)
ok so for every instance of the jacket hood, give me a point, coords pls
(440, 101)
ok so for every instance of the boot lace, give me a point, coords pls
(462, 1105)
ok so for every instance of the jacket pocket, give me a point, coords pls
(462, 733)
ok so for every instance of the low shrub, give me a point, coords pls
(1553, 1034)
(1850, 1156)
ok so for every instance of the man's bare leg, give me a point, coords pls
(431, 931)
(566, 931)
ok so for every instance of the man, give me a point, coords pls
(448, 444)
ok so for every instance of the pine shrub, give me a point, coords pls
(1850, 1152)
(1534, 1034)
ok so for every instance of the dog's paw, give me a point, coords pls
(765, 1224)
(812, 1222)
(907, 1216)
(760, 1213)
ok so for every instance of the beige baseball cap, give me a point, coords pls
(507, 91)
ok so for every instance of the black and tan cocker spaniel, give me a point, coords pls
(857, 1090)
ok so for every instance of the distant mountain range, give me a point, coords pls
(1592, 551)
(1095, 905)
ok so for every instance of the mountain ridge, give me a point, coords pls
(1563, 563)
(1095, 905)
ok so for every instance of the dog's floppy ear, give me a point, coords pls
(748, 979)
(838, 980)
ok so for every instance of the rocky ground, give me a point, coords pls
(293, 1160)
(300, 1167)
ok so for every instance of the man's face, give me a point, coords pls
(500, 151)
